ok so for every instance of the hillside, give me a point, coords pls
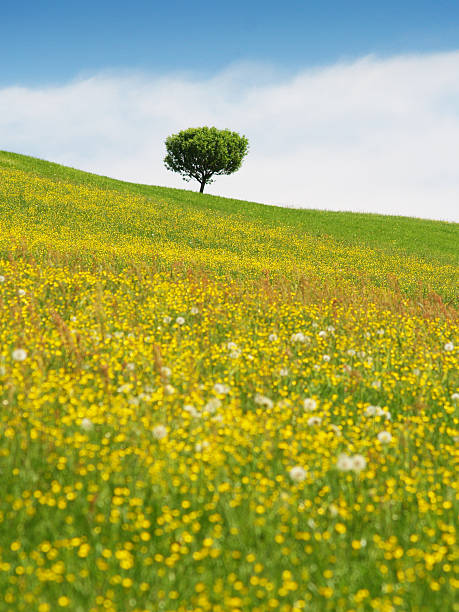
(52, 206)
(432, 240)
(222, 406)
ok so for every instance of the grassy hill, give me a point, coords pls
(434, 241)
(222, 406)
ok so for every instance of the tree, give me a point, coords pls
(201, 153)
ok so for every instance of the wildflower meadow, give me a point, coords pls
(208, 409)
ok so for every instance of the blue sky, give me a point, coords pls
(347, 105)
(54, 41)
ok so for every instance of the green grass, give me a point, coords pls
(223, 406)
(433, 241)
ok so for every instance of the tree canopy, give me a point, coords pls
(201, 153)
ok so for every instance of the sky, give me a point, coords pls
(347, 105)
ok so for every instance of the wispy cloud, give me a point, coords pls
(376, 135)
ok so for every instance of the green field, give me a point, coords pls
(211, 404)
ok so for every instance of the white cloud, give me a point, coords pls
(375, 135)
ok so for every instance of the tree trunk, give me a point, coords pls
(203, 183)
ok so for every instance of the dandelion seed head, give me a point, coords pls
(19, 354)
(299, 337)
(297, 474)
(212, 405)
(264, 401)
(87, 424)
(191, 410)
(359, 463)
(344, 463)
(384, 437)
(159, 432)
(221, 389)
(309, 404)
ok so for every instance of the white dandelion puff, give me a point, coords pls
(384, 437)
(297, 473)
(87, 424)
(358, 462)
(299, 337)
(159, 432)
(191, 410)
(272, 337)
(372, 411)
(449, 346)
(314, 421)
(180, 321)
(19, 354)
(221, 389)
(336, 430)
(212, 405)
(264, 401)
(309, 404)
(344, 463)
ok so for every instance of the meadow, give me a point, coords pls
(215, 405)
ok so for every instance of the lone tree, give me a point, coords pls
(201, 153)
